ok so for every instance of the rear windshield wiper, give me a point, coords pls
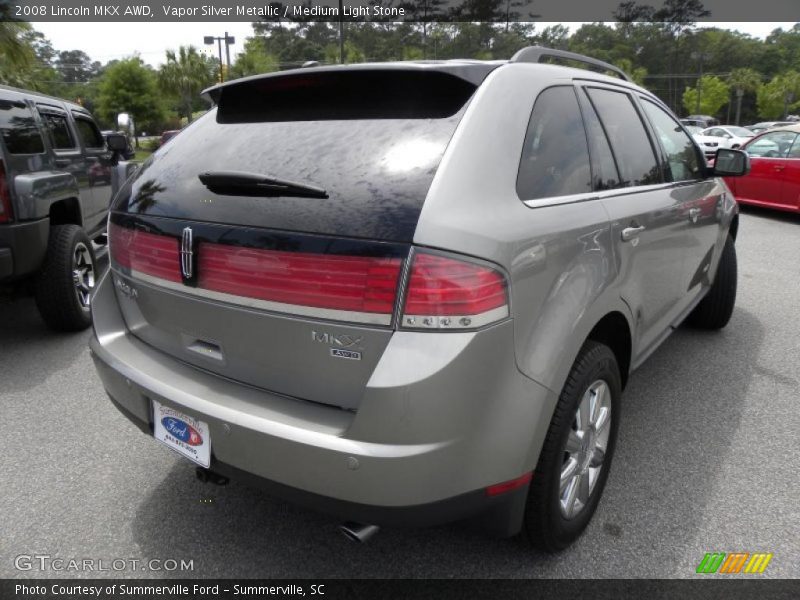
(237, 183)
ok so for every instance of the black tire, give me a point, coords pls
(546, 525)
(57, 296)
(715, 310)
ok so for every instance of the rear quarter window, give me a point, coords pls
(555, 154)
(18, 127)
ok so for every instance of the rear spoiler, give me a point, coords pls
(471, 71)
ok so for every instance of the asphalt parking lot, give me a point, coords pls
(706, 461)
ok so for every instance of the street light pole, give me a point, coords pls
(341, 32)
(228, 51)
(700, 56)
(229, 40)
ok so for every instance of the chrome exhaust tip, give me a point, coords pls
(358, 532)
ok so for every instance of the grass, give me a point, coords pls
(142, 154)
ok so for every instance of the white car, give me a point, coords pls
(729, 136)
(707, 143)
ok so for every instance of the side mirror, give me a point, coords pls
(117, 142)
(731, 163)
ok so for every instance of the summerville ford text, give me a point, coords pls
(122, 589)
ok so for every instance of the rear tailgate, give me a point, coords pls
(292, 292)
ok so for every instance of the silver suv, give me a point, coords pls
(413, 293)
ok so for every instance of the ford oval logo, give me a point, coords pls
(182, 431)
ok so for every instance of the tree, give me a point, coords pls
(777, 97)
(185, 75)
(130, 86)
(741, 81)
(713, 95)
(637, 74)
(16, 56)
(254, 60)
(75, 66)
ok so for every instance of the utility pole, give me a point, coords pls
(229, 40)
(700, 57)
(341, 32)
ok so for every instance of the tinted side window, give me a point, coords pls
(60, 134)
(678, 147)
(628, 137)
(90, 134)
(19, 130)
(555, 156)
(604, 169)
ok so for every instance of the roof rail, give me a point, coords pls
(538, 54)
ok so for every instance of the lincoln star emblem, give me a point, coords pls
(186, 253)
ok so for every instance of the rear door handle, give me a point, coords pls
(631, 232)
(779, 167)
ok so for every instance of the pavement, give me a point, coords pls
(706, 461)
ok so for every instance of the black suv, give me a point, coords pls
(57, 172)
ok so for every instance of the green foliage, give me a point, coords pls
(714, 94)
(780, 96)
(184, 75)
(254, 60)
(16, 54)
(638, 74)
(130, 86)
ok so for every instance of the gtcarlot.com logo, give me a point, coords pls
(46, 562)
(734, 562)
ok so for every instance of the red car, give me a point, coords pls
(167, 136)
(774, 179)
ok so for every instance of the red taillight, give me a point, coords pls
(5, 196)
(508, 486)
(446, 293)
(348, 283)
(145, 253)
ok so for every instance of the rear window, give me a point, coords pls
(18, 128)
(345, 95)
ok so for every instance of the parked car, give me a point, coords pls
(729, 136)
(54, 197)
(774, 180)
(764, 125)
(167, 136)
(709, 145)
(419, 304)
(703, 121)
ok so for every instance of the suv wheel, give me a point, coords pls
(65, 283)
(575, 460)
(715, 310)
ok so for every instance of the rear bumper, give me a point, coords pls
(22, 248)
(415, 453)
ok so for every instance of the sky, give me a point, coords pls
(107, 41)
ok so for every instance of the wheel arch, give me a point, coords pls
(613, 331)
(66, 212)
(734, 228)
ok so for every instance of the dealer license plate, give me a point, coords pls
(187, 436)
